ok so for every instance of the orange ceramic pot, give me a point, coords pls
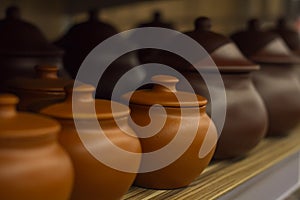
(93, 178)
(189, 116)
(32, 163)
(44, 87)
(277, 81)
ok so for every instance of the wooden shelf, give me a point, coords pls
(226, 179)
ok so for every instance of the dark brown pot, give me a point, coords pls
(277, 81)
(23, 46)
(44, 87)
(32, 163)
(246, 117)
(94, 179)
(189, 115)
(84, 37)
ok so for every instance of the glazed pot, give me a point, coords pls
(81, 39)
(23, 46)
(246, 117)
(33, 165)
(95, 179)
(277, 80)
(45, 86)
(184, 125)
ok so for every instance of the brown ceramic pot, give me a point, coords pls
(23, 46)
(196, 126)
(44, 87)
(83, 38)
(246, 117)
(33, 165)
(277, 80)
(93, 179)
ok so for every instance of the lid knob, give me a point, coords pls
(165, 83)
(93, 14)
(8, 104)
(13, 12)
(281, 23)
(46, 72)
(83, 92)
(254, 25)
(203, 24)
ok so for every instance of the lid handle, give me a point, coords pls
(83, 92)
(8, 104)
(46, 72)
(203, 24)
(165, 83)
(254, 25)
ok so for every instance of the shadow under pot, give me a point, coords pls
(34, 92)
(32, 163)
(23, 46)
(178, 138)
(246, 120)
(105, 160)
(277, 81)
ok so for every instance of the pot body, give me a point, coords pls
(34, 169)
(189, 165)
(279, 87)
(93, 179)
(246, 116)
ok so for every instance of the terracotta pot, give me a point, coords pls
(33, 165)
(93, 178)
(277, 81)
(44, 87)
(82, 38)
(188, 114)
(246, 117)
(23, 46)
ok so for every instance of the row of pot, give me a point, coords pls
(257, 101)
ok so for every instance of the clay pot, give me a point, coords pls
(277, 80)
(33, 165)
(44, 87)
(188, 116)
(246, 117)
(23, 46)
(83, 38)
(94, 179)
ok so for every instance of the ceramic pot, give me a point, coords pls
(81, 39)
(23, 46)
(277, 81)
(93, 178)
(185, 125)
(246, 117)
(45, 86)
(33, 165)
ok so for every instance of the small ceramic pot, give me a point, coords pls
(277, 81)
(93, 178)
(184, 126)
(44, 87)
(246, 117)
(33, 165)
(81, 39)
(23, 46)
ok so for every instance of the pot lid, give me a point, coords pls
(15, 124)
(18, 37)
(222, 50)
(85, 105)
(289, 35)
(46, 80)
(263, 46)
(165, 93)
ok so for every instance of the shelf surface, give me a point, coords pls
(224, 176)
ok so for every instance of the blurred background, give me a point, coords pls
(54, 17)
